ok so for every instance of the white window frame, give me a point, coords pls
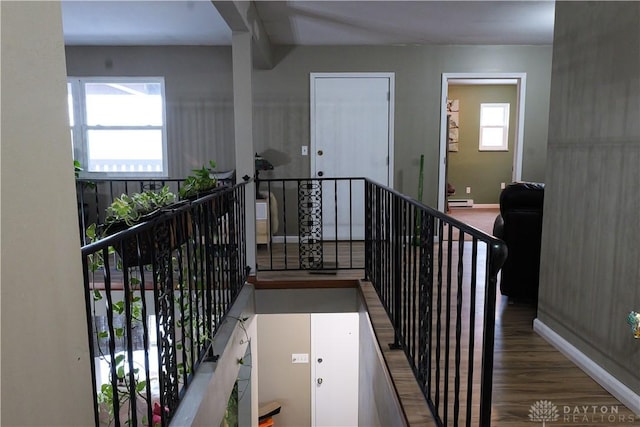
(505, 127)
(80, 128)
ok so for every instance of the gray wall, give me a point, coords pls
(200, 114)
(482, 171)
(45, 352)
(590, 274)
(198, 89)
(378, 404)
(281, 100)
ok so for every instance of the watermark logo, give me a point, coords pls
(544, 411)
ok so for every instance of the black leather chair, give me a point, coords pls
(519, 225)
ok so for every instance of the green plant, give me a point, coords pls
(123, 379)
(231, 414)
(131, 208)
(200, 181)
(107, 392)
(77, 168)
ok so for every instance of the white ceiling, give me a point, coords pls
(312, 22)
(143, 23)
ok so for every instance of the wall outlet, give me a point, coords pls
(468, 190)
(502, 185)
(305, 150)
(300, 358)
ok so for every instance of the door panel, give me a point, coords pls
(334, 372)
(350, 138)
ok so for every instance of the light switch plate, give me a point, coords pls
(300, 358)
(305, 150)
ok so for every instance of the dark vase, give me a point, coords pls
(141, 249)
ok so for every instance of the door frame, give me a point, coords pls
(312, 111)
(521, 86)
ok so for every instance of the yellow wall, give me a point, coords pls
(482, 171)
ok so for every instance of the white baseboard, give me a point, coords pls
(486, 206)
(610, 383)
(283, 239)
(460, 203)
(468, 204)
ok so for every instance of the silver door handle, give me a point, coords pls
(320, 173)
(319, 381)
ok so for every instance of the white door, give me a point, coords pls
(351, 136)
(334, 369)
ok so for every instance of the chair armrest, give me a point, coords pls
(498, 227)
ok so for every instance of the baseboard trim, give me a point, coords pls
(486, 206)
(285, 239)
(610, 383)
(460, 203)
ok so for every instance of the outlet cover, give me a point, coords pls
(300, 358)
(468, 190)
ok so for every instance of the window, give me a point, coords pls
(118, 126)
(494, 127)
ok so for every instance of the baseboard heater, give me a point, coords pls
(460, 203)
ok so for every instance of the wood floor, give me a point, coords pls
(527, 370)
(480, 218)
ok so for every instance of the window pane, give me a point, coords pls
(70, 103)
(125, 150)
(492, 137)
(493, 115)
(123, 104)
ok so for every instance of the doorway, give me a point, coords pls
(518, 81)
(351, 136)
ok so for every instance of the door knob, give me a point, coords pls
(320, 152)
(320, 173)
(319, 381)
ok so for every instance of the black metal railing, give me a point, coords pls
(95, 195)
(436, 278)
(310, 224)
(156, 294)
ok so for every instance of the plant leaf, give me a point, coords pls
(141, 386)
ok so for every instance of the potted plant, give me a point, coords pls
(129, 210)
(135, 208)
(200, 183)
